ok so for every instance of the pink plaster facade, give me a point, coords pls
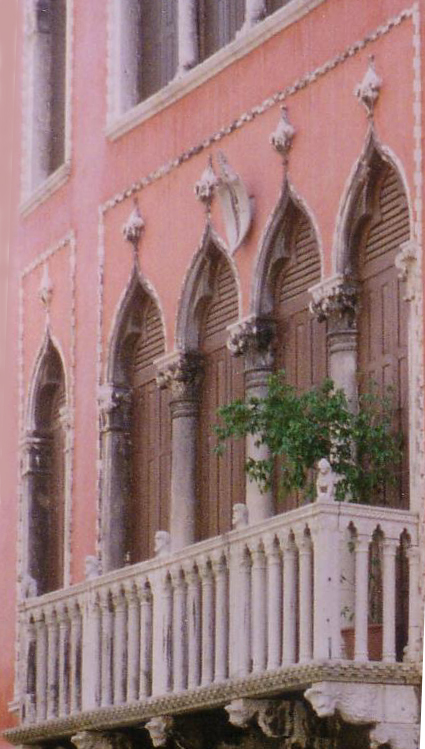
(80, 225)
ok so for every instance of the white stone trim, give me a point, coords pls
(250, 37)
(32, 198)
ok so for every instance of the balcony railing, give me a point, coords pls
(295, 589)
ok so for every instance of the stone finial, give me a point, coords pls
(239, 516)
(336, 296)
(28, 586)
(162, 544)
(281, 139)
(182, 372)
(326, 481)
(368, 90)
(45, 290)
(91, 567)
(133, 228)
(206, 186)
(159, 729)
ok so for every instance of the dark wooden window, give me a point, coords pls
(301, 349)
(158, 46)
(148, 503)
(273, 5)
(221, 480)
(383, 313)
(47, 488)
(219, 21)
(58, 84)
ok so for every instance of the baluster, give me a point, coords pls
(30, 676)
(194, 627)
(41, 666)
(145, 685)
(388, 580)
(413, 648)
(274, 604)
(52, 662)
(119, 646)
(179, 631)
(107, 638)
(167, 635)
(91, 655)
(305, 551)
(75, 659)
(133, 650)
(244, 602)
(361, 606)
(221, 619)
(63, 660)
(289, 602)
(207, 672)
(259, 610)
(327, 586)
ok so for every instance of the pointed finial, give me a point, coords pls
(281, 139)
(45, 290)
(133, 228)
(207, 185)
(368, 90)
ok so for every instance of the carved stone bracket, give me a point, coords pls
(276, 718)
(368, 90)
(114, 404)
(101, 740)
(182, 372)
(159, 729)
(406, 263)
(392, 708)
(253, 338)
(335, 297)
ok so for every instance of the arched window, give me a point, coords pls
(219, 21)
(382, 319)
(221, 480)
(136, 435)
(44, 475)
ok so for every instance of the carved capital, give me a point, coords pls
(254, 338)
(406, 262)
(368, 90)
(36, 455)
(182, 372)
(336, 297)
(159, 729)
(114, 405)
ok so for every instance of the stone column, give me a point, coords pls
(188, 54)
(115, 410)
(253, 338)
(36, 468)
(336, 300)
(182, 372)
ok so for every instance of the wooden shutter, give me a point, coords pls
(219, 21)
(148, 505)
(221, 480)
(301, 349)
(383, 315)
(158, 53)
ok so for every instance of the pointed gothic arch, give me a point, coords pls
(136, 432)
(44, 471)
(209, 304)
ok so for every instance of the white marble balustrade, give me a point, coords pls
(261, 598)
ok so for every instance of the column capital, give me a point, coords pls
(36, 454)
(182, 372)
(114, 405)
(335, 299)
(253, 337)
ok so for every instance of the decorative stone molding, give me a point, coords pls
(335, 297)
(133, 228)
(253, 338)
(159, 729)
(281, 139)
(326, 482)
(368, 90)
(406, 262)
(101, 740)
(276, 718)
(182, 372)
(235, 203)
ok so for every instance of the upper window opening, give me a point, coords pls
(218, 21)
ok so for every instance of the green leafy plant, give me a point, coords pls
(300, 429)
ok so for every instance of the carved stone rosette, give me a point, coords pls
(254, 338)
(182, 372)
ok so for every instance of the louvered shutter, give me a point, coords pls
(383, 314)
(221, 480)
(148, 505)
(301, 349)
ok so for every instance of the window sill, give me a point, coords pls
(179, 87)
(53, 182)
